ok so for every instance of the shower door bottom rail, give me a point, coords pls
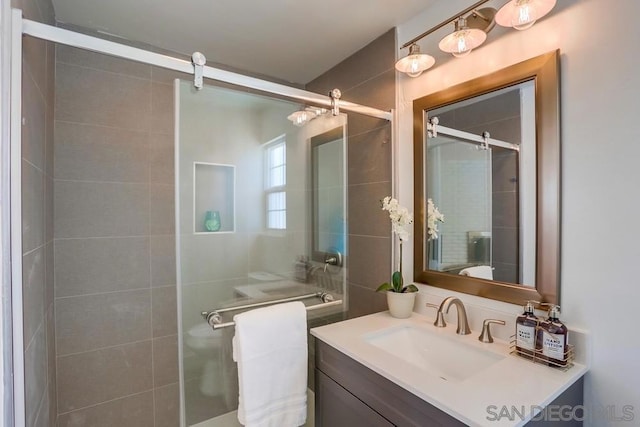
(214, 317)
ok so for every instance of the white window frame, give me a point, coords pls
(269, 188)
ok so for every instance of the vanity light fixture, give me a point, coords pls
(302, 117)
(463, 40)
(299, 118)
(415, 62)
(471, 28)
(522, 14)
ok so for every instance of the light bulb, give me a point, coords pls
(415, 62)
(414, 67)
(524, 15)
(462, 46)
(462, 41)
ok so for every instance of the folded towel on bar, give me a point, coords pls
(480, 271)
(270, 346)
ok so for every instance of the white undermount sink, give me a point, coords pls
(450, 358)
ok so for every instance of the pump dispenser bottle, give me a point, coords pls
(554, 337)
(526, 325)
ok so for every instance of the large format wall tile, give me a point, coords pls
(35, 368)
(167, 406)
(90, 96)
(94, 321)
(161, 209)
(165, 361)
(51, 365)
(33, 202)
(114, 227)
(94, 377)
(33, 129)
(130, 411)
(95, 209)
(49, 277)
(33, 292)
(163, 260)
(165, 311)
(48, 208)
(84, 58)
(369, 155)
(87, 266)
(161, 108)
(100, 153)
(161, 159)
(370, 262)
(378, 92)
(375, 58)
(366, 216)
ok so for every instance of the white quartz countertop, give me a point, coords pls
(477, 400)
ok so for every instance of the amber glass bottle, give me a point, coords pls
(526, 325)
(554, 337)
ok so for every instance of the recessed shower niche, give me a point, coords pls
(213, 198)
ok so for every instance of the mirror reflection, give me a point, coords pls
(481, 174)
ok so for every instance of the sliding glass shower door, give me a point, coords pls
(254, 224)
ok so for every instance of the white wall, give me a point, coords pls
(600, 90)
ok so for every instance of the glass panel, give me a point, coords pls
(487, 196)
(253, 172)
(459, 183)
(328, 182)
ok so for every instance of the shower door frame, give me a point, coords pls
(12, 40)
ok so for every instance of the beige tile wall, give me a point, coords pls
(37, 218)
(367, 77)
(115, 295)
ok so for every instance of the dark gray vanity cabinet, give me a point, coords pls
(348, 394)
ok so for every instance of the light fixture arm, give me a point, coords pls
(443, 23)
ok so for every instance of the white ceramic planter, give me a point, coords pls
(401, 304)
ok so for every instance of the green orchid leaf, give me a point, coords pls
(384, 287)
(397, 281)
(410, 288)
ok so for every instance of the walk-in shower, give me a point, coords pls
(260, 217)
(260, 211)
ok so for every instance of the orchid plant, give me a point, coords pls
(401, 219)
(433, 217)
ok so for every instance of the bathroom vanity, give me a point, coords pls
(379, 371)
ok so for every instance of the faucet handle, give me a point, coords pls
(485, 336)
(440, 323)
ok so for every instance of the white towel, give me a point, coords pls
(270, 346)
(480, 271)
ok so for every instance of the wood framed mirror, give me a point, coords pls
(524, 226)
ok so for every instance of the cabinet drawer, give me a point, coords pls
(336, 407)
(397, 405)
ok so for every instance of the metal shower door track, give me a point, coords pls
(82, 41)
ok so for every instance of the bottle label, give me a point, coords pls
(553, 345)
(525, 337)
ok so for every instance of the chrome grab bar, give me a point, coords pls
(214, 317)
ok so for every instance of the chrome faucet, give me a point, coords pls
(463, 324)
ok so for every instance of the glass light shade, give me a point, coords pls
(299, 118)
(461, 42)
(415, 62)
(522, 14)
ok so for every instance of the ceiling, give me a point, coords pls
(290, 40)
